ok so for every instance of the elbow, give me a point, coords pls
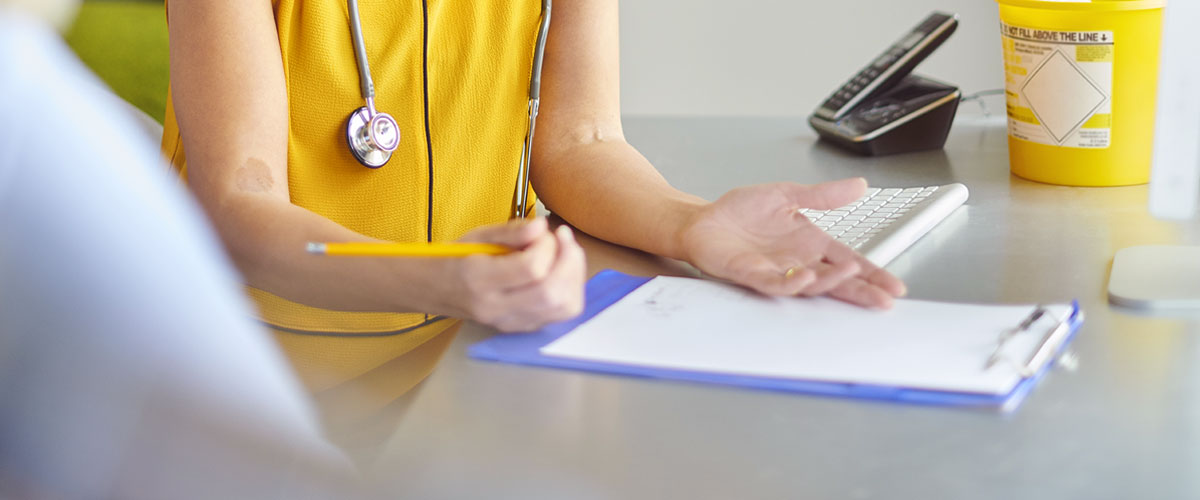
(557, 139)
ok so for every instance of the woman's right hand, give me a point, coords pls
(540, 282)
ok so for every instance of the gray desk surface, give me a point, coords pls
(1125, 425)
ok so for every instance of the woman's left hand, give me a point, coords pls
(755, 236)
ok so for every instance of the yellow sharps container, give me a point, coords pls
(1080, 81)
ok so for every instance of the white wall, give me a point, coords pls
(783, 57)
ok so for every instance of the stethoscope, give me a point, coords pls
(373, 135)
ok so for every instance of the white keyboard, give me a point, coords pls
(887, 221)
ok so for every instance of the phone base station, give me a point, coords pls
(915, 115)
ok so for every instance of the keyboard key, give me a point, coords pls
(867, 223)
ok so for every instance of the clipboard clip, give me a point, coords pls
(1046, 350)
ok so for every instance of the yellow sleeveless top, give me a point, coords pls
(455, 75)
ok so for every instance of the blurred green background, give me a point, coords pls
(125, 43)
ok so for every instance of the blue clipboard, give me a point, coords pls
(609, 286)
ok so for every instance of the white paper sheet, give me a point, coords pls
(691, 324)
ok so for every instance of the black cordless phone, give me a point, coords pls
(883, 98)
(892, 65)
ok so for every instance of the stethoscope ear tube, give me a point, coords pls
(366, 85)
(535, 80)
(521, 195)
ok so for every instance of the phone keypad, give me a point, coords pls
(862, 81)
(859, 83)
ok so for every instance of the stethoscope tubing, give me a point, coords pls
(521, 196)
(366, 85)
(375, 148)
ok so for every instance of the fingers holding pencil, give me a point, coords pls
(517, 276)
(536, 284)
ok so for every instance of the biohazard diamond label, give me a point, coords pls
(1059, 86)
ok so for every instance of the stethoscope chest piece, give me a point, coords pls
(372, 136)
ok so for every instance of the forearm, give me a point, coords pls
(231, 102)
(582, 167)
(609, 190)
(267, 240)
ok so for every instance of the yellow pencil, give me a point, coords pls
(439, 249)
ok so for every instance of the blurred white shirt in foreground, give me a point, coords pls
(129, 365)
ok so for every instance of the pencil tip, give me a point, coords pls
(316, 248)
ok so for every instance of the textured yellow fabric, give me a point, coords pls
(479, 61)
(387, 365)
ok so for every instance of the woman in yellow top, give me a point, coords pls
(261, 91)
